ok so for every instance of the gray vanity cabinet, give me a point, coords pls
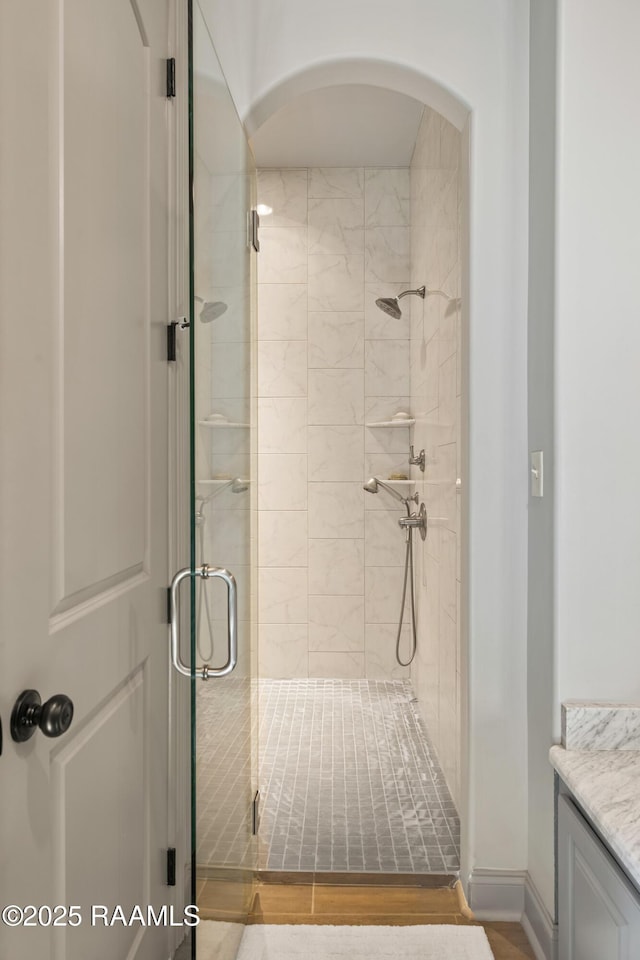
(598, 908)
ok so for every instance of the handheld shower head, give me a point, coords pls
(235, 485)
(239, 485)
(371, 486)
(391, 305)
(373, 483)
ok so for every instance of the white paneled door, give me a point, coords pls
(83, 496)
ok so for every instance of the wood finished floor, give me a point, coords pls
(355, 905)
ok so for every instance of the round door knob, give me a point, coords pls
(53, 717)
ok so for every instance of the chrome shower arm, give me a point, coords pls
(419, 292)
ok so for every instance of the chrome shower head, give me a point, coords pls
(211, 309)
(391, 305)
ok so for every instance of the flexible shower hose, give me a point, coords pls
(203, 595)
(408, 566)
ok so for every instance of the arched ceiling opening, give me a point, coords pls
(391, 77)
(347, 113)
(350, 125)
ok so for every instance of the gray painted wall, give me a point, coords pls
(540, 641)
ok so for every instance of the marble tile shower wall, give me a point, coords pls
(436, 398)
(329, 362)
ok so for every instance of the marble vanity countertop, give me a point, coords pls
(606, 784)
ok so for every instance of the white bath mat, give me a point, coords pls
(217, 940)
(310, 942)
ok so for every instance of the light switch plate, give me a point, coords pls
(537, 474)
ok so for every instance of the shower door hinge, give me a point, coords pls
(171, 867)
(255, 814)
(172, 346)
(171, 78)
(171, 341)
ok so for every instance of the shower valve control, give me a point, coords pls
(417, 461)
(416, 521)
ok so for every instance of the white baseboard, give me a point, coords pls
(538, 924)
(510, 895)
(497, 894)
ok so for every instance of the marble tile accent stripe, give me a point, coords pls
(600, 725)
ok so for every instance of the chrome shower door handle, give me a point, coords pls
(205, 672)
(208, 573)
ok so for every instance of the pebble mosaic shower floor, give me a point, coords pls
(349, 781)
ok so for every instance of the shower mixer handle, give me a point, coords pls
(418, 461)
(416, 521)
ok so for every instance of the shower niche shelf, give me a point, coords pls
(222, 424)
(409, 422)
(399, 483)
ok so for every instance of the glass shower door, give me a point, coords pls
(223, 514)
